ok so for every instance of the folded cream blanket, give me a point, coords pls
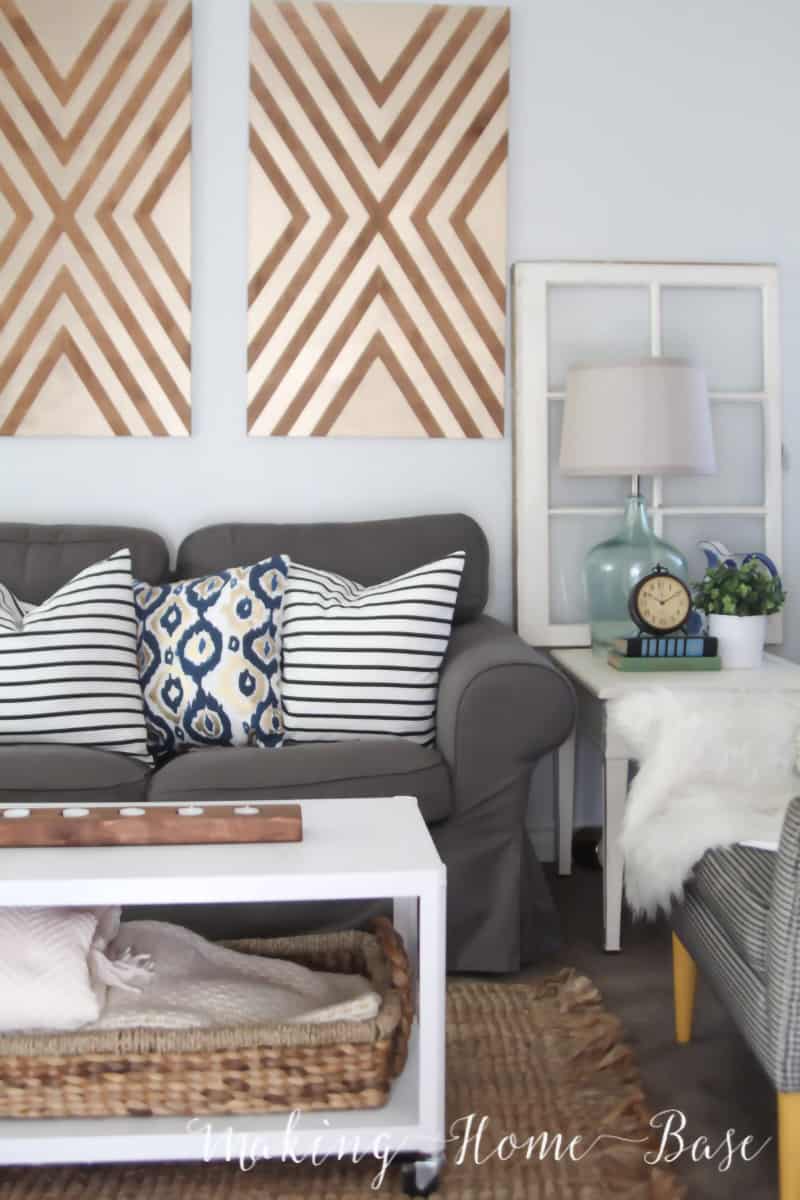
(67, 969)
(55, 973)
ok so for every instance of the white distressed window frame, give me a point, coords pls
(531, 404)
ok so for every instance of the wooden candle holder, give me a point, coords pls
(182, 825)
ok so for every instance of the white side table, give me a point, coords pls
(595, 683)
(351, 849)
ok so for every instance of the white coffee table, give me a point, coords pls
(351, 850)
(595, 684)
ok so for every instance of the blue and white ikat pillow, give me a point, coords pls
(209, 653)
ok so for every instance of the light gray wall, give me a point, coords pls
(652, 130)
(639, 129)
(175, 485)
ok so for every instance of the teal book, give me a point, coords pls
(622, 662)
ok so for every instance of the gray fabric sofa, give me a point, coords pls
(501, 707)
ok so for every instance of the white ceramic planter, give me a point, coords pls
(741, 640)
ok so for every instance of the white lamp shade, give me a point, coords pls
(649, 417)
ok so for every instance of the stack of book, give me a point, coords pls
(674, 653)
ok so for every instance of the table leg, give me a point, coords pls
(432, 1012)
(566, 802)
(406, 922)
(615, 771)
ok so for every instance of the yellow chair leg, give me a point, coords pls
(684, 980)
(789, 1145)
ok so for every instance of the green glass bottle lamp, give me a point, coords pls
(651, 416)
(614, 567)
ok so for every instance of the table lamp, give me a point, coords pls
(646, 417)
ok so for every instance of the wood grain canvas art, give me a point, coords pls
(379, 140)
(95, 132)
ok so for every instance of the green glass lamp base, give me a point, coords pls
(614, 567)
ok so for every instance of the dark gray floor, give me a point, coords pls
(715, 1081)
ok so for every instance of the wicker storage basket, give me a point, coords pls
(255, 1068)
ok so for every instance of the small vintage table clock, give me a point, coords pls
(660, 603)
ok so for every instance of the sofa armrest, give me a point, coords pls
(502, 705)
(783, 955)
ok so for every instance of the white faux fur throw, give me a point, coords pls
(713, 770)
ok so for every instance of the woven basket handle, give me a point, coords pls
(395, 953)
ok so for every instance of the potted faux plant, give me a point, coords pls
(737, 600)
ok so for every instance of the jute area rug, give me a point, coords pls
(524, 1060)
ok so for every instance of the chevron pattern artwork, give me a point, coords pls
(377, 219)
(95, 129)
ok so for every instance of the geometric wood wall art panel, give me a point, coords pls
(379, 141)
(95, 140)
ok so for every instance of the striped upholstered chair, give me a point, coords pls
(740, 923)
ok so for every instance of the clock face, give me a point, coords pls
(662, 603)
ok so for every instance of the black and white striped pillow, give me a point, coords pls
(363, 662)
(68, 669)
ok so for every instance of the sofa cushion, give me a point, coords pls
(68, 668)
(52, 774)
(736, 884)
(365, 551)
(363, 663)
(35, 560)
(210, 657)
(388, 768)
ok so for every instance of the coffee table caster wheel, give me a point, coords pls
(421, 1178)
